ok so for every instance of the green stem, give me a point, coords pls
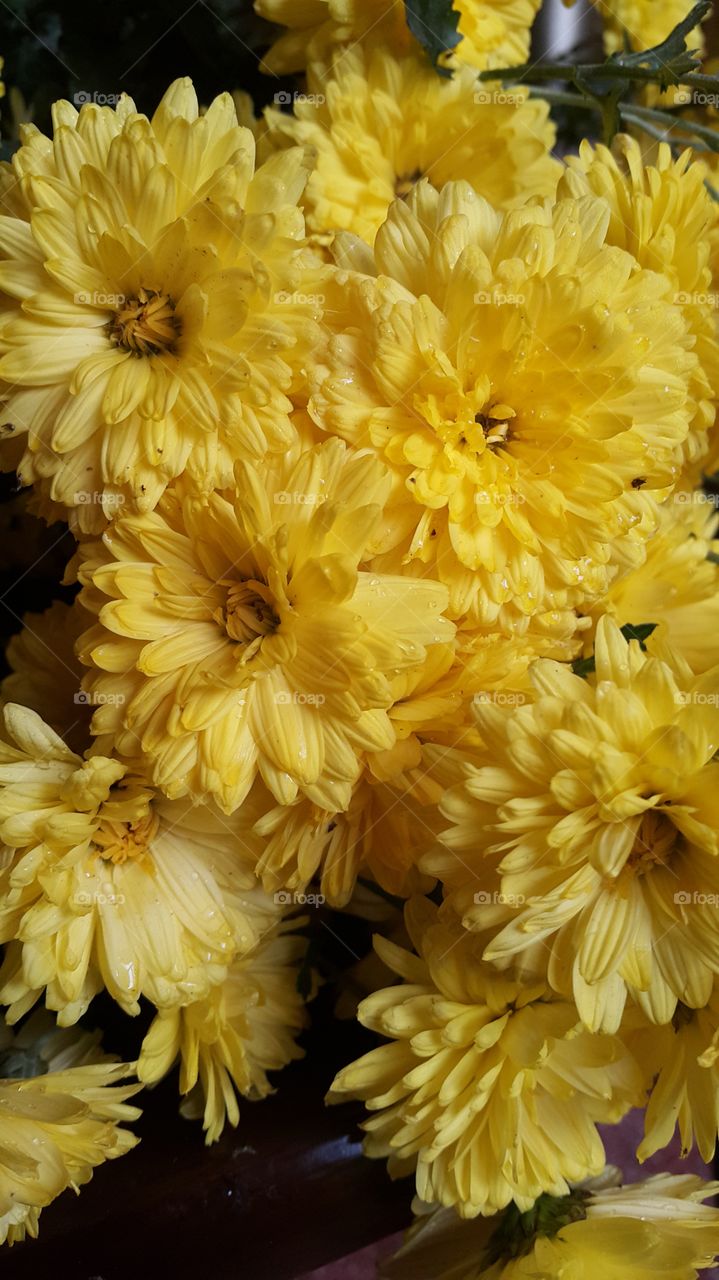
(644, 117)
(537, 73)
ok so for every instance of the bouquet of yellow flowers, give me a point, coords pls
(384, 427)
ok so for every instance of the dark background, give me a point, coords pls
(55, 49)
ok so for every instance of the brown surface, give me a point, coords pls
(284, 1193)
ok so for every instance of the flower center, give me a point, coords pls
(654, 844)
(122, 841)
(495, 424)
(683, 1015)
(405, 182)
(146, 325)
(248, 614)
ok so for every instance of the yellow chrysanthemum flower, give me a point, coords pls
(599, 807)
(229, 1041)
(237, 636)
(662, 214)
(493, 33)
(151, 271)
(652, 1230)
(392, 819)
(643, 23)
(377, 124)
(105, 883)
(678, 584)
(60, 1114)
(477, 1057)
(681, 1059)
(521, 377)
(45, 674)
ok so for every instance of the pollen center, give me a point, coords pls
(248, 614)
(405, 182)
(146, 325)
(654, 844)
(122, 841)
(495, 424)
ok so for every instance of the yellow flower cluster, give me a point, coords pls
(382, 451)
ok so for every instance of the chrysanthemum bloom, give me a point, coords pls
(643, 23)
(662, 214)
(491, 1087)
(392, 818)
(493, 33)
(518, 375)
(152, 272)
(238, 636)
(229, 1041)
(60, 1114)
(677, 587)
(378, 123)
(45, 674)
(600, 807)
(681, 1060)
(105, 883)
(642, 1231)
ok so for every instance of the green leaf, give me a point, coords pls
(673, 49)
(638, 631)
(584, 666)
(631, 631)
(433, 24)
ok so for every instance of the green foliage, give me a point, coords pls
(631, 631)
(433, 24)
